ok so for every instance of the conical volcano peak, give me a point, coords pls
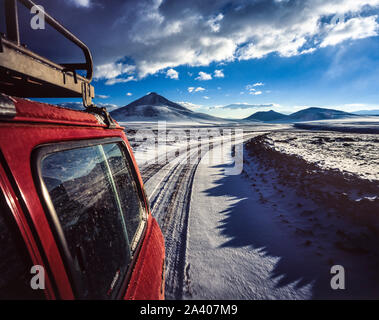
(154, 107)
(154, 99)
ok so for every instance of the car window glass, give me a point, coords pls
(127, 190)
(98, 207)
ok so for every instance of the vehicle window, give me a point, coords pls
(99, 209)
(127, 190)
(15, 262)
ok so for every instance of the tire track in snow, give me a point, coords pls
(170, 206)
(169, 199)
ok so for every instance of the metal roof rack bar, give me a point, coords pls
(24, 73)
(11, 19)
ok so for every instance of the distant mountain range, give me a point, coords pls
(267, 116)
(154, 107)
(309, 114)
(367, 112)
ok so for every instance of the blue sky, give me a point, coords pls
(261, 54)
(345, 77)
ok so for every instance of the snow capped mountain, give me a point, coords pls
(267, 116)
(309, 114)
(367, 112)
(154, 107)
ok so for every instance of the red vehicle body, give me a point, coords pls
(37, 124)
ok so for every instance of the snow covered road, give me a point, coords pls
(169, 187)
(199, 263)
(221, 265)
(245, 236)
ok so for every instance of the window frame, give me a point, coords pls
(38, 154)
(30, 236)
(22, 250)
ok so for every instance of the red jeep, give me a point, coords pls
(72, 200)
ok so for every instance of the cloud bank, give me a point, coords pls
(142, 37)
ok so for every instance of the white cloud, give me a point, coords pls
(244, 105)
(307, 51)
(194, 89)
(112, 70)
(113, 81)
(251, 88)
(214, 23)
(203, 76)
(206, 97)
(129, 94)
(172, 74)
(219, 74)
(355, 28)
(81, 3)
(352, 107)
(358, 105)
(102, 96)
(166, 34)
(286, 44)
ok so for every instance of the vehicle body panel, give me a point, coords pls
(36, 124)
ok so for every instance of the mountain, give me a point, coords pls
(154, 107)
(311, 114)
(267, 116)
(367, 112)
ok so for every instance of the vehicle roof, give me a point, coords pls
(15, 109)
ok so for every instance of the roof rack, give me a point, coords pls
(26, 74)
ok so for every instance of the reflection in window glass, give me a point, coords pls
(85, 186)
(126, 187)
